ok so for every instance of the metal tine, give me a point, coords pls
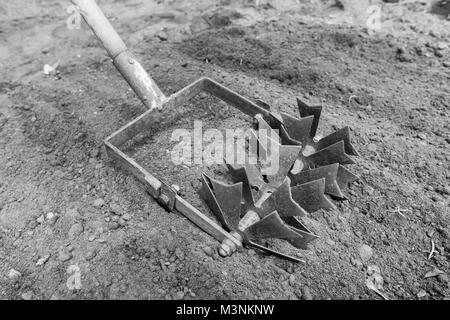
(287, 154)
(298, 226)
(276, 123)
(282, 201)
(341, 134)
(286, 158)
(311, 196)
(298, 128)
(255, 245)
(262, 124)
(331, 154)
(207, 194)
(286, 138)
(272, 226)
(345, 177)
(228, 197)
(240, 174)
(297, 223)
(306, 111)
(328, 172)
(306, 237)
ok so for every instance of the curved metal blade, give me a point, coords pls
(306, 111)
(229, 198)
(311, 196)
(251, 178)
(328, 172)
(297, 225)
(296, 128)
(272, 226)
(263, 125)
(331, 154)
(341, 134)
(286, 138)
(224, 200)
(281, 200)
(286, 157)
(273, 252)
(345, 177)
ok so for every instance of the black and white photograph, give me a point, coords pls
(220, 157)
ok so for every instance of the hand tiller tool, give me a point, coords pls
(257, 206)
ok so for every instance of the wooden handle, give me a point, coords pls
(138, 79)
(100, 25)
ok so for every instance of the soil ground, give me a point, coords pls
(73, 226)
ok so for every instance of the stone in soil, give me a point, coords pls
(208, 251)
(91, 254)
(422, 293)
(365, 252)
(64, 256)
(14, 275)
(43, 260)
(116, 209)
(372, 147)
(179, 253)
(113, 226)
(27, 295)
(75, 230)
(292, 280)
(306, 294)
(41, 219)
(98, 203)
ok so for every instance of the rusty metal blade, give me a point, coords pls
(281, 200)
(207, 194)
(328, 172)
(331, 154)
(298, 128)
(345, 177)
(272, 226)
(311, 197)
(341, 134)
(306, 111)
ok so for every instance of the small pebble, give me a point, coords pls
(27, 295)
(75, 230)
(14, 275)
(64, 256)
(292, 280)
(43, 260)
(116, 209)
(208, 251)
(306, 294)
(372, 147)
(98, 203)
(365, 252)
(422, 293)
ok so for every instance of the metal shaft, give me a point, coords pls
(133, 72)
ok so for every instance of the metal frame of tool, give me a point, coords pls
(159, 189)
